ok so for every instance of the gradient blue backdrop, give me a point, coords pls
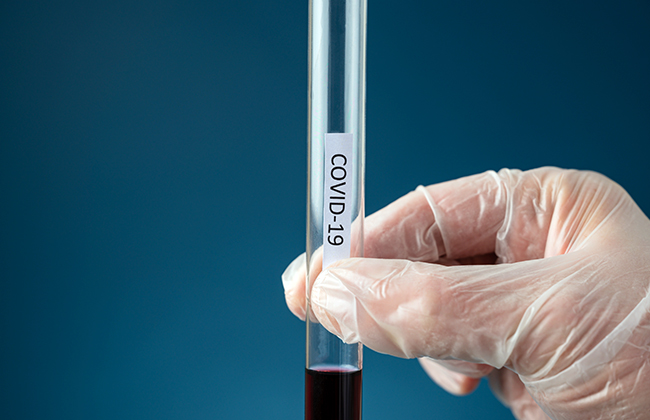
(152, 172)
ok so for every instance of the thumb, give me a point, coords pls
(412, 309)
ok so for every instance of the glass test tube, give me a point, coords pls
(335, 207)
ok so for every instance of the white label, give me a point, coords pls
(337, 200)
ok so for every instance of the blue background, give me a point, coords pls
(153, 180)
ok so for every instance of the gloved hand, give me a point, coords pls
(557, 311)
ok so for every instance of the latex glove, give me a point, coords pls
(566, 307)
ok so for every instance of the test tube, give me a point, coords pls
(335, 204)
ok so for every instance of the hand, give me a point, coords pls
(557, 311)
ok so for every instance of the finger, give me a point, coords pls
(452, 382)
(294, 277)
(456, 219)
(510, 213)
(407, 309)
(508, 388)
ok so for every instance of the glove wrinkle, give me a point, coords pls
(438, 247)
(601, 354)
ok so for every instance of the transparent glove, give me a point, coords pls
(539, 279)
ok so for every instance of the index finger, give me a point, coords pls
(465, 217)
(455, 219)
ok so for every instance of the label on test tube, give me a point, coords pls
(337, 219)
